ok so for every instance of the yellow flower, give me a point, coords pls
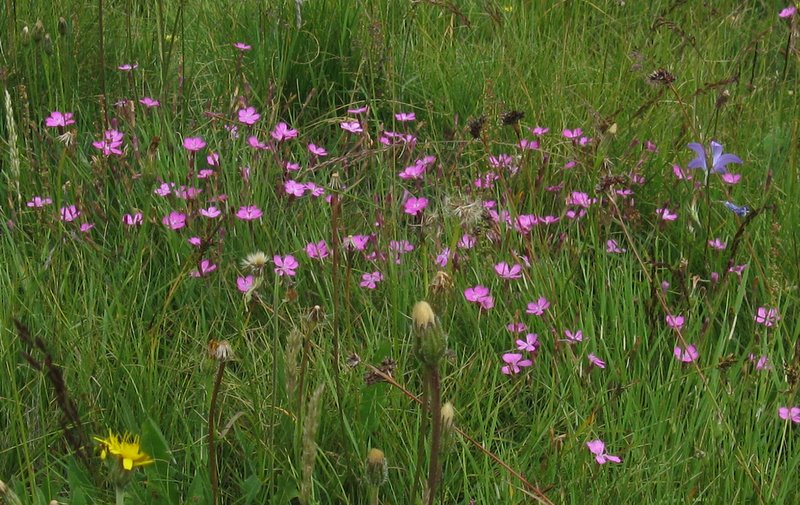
(124, 448)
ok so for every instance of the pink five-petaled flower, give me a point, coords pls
(530, 344)
(351, 126)
(480, 295)
(598, 448)
(285, 266)
(245, 284)
(127, 67)
(787, 12)
(594, 360)
(538, 307)
(675, 322)
(317, 250)
(516, 327)
(767, 316)
(175, 220)
(414, 206)
(204, 268)
(687, 356)
(504, 271)
(717, 244)
(283, 132)
(249, 213)
(731, 179)
(666, 214)
(612, 247)
(539, 131)
(294, 188)
(149, 102)
(515, 363)
(69, 213)
(792, 414)
(210, 212)
(132, 219)
(193, 144)
(370, 280)
(241, 46)
(405, 116)
(317, 150)
(762, 362)
(249, 116)
(38, 202)
(571, 134)
(573, 338)
(111, 143)
(57, 118)
(85, 227)
(789, 414)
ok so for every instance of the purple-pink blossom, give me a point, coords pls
(594, 360)
(514, 363)
(285, 265)
(69, 213)
(688, 355)
(193, 144)
(282, 132)
(508, 272)
(174, 220)
(675, 321)
(598, 449)
(538, 307)
(371, 280)
(479, 295)
(249, 116)
(249, 213)
(245, 284)
(413, 206)
(59, 119)
(204, 268)
(768, 316)
(789, 414)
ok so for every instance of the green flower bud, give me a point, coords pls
(430, 340)
(47, 44)
(38, 31)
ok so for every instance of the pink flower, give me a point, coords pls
(571, 134)
(245, 284)
(204, 268)
(580, 199)
(405, 116)
(316, 191)
(680, 174)
(56, 119)
(414, 206)
(675, 322)
(249, 213)
(594, 360)
(111, 143)
(205, 173)
(285, 266)
(443, 257)
(370, 280)
(666, 214)
(530, 344)
(69, 213)
(249, 116)
(613, 248)
(514, 363)
(762, 363)
(38, 202)
(738, 269)
(717, 244)
(175, 220)
(466, 242)
(731, 179)
(253, 142)
(283, 132)
(317, 151)
(351, 126)
(480, 295)
(85, 227)
(539, 131)
(528, 145)
(355, 242)
(358, 110)
(767, 316)
(598, 448)
(573, 338)
(241, 46)
(149, 102)
(193, 144)
(210, 212)
(687, 356)
(413, 172)
(163, 190)
(132, 219)
(516, 327)
(787, 12)
(538, 307)
(294, 188)
(127, 67)
(789, 414)
(195, 241)
(504, 271)
(317, 250)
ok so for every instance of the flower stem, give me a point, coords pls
(119, 492)
(212, 449)
(436, 432)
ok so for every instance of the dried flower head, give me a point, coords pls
(511, 117)
(255, 262)
(422, 315)
(660, 77)
(377, 470)
(220, 350)
(475, 126)
(442, 282)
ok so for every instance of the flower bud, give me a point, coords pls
(377, 469)
(38, 31)
(63, 26)
(448, 426)
(25, 35)
(220, 350)
(430, 340)
(47, 45)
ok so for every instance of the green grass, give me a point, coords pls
(129, 328)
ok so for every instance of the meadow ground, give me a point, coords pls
(218, 219)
